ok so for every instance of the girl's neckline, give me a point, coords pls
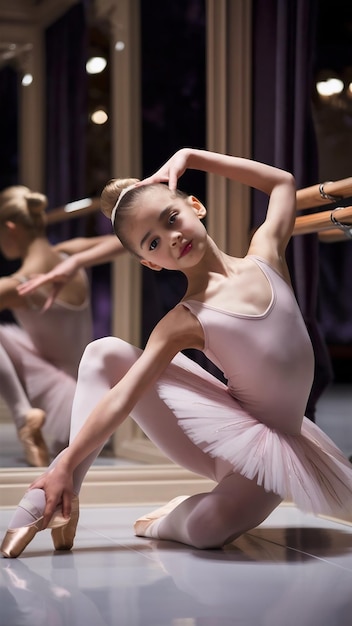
(262, 315)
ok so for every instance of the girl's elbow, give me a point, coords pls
(290, 180)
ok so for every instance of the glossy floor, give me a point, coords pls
(293, 570)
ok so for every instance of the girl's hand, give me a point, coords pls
(58, 487)
(171, 171)
(59, 276)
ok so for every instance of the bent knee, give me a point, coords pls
(110, 355)
(107, 348)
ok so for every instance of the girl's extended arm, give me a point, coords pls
(105, 249)
(276, 183)
(91, 250)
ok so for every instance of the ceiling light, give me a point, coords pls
(330, 86)
(27, 79)
(99, 116)
(95, 65)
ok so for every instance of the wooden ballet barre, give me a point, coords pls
(333, 235)
(317, 222)
(324, 193)
(73, 210)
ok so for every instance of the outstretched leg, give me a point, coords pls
(211, 520)
(28, 420)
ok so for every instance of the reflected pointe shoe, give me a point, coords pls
(30, 435)
(147, 526)
(62, 533)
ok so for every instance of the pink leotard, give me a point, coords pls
(267, 359)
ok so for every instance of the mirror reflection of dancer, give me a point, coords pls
(249, 435)
(83, 252)
(39, 355)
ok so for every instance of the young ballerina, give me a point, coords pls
(250, 435)
(39, 355)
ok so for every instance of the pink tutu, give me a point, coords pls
(307, 469)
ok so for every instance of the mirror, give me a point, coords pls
(110, 31)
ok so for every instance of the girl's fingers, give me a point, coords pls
(66, 504)
(52, 297)
(173, 182)
(31, 285)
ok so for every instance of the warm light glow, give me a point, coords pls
(350, 88)
(27, 80)
(330, 87)
(95, 65)
(99, 117)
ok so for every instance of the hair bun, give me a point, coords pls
(36, 202)
(112, 192)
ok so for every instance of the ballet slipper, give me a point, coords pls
(62, 533)
(35, 449)
(146, 526)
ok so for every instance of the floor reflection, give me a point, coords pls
(293, 569)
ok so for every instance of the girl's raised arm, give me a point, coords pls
(278, 184)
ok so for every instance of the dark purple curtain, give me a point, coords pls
(335, 300)
(9, 82)
(283, 49)
(66, 144)
(66, 119)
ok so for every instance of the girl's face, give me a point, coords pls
(166, 231)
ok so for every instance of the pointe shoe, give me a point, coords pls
(35, 449)
(63, 535)
(143, 525)
(63, 532)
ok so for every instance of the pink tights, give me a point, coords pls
(205, 520)
(29, 381)
(12, 390)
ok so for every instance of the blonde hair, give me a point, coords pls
(108, 199)
(112, 191)
(21, 205)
